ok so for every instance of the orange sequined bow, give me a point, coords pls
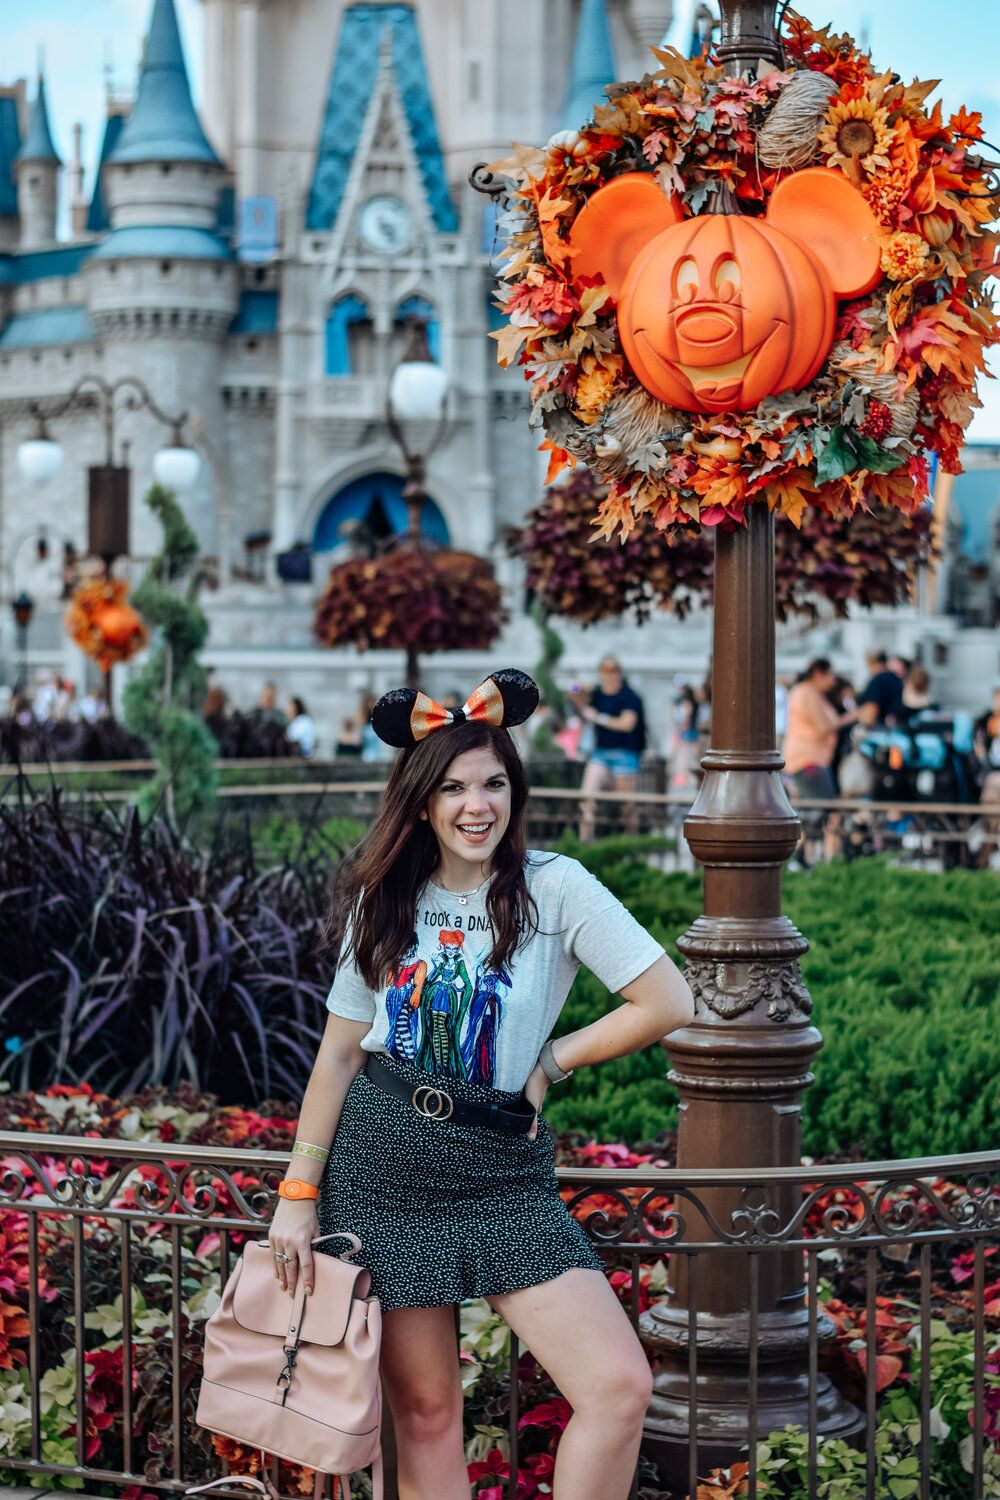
(484, 705)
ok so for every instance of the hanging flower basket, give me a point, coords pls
(829, 563)
(419, 598)
(724, 290)
(103, 625)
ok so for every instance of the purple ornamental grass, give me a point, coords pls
(130, 958)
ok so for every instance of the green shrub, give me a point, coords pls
(904, 970)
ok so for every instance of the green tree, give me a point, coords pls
(158, 701)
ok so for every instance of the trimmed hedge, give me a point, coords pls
(904, 970)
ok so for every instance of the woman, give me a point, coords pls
(808, 748)
(443, 1173)
(301, 729)
(616, 713)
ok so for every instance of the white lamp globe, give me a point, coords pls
(39, 459)
(176, 468)
(417, 389)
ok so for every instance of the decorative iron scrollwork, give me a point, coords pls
(486, 182)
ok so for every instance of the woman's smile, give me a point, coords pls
(469, 813)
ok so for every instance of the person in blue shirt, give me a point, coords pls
(616, 712)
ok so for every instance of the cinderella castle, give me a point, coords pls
(254, 267)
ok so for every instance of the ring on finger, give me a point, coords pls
(278, 1255)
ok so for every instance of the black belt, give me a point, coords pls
(433, 1101)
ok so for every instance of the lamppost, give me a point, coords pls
(23, 607)
(416, 394)
(742, 1065)
(175, 466)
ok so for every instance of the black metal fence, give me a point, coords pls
(85, 1207)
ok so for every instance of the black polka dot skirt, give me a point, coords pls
(445, 1211)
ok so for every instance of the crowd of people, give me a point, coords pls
(51, 699)
(822, 721)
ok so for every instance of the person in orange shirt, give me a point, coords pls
(808, 747)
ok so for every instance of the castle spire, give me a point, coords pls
(593, 66)
(163, 126)
(37, 144)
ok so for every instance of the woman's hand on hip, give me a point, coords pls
(293, 1229)
(535, 1090)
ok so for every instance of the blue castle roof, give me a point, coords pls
(163, 126)
(10, 144)
(593, 66)
(37, 144)
(97, 213)
(171, 241)
(39, 327)
(355, 70)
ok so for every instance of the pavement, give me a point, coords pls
(23, 1492)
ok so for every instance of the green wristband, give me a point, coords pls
(317, 1153)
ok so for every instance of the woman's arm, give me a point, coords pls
(656, 1003)
(295, 1225)
(622, 723)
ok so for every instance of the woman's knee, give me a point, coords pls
(427, 1413)
(622, 1399)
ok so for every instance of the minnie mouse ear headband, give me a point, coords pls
(405, 716)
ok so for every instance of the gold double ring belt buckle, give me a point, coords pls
(433, 1104)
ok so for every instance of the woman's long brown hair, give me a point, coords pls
(381, 879)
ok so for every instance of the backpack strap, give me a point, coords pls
(262, 1486)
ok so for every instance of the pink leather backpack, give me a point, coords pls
(297, 1376)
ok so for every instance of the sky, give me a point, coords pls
(86, 41)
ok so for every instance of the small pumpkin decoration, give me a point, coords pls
(118, 623)
(103, 624)
(719, 311)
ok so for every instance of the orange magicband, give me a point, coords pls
(291, 1187)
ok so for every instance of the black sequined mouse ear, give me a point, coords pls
(518, 692)
(391, 717)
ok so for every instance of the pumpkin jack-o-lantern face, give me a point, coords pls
(719, 311)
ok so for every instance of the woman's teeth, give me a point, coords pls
(474, 830)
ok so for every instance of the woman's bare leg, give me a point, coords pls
(579, 1333)
(419, 1365)
(595, 778)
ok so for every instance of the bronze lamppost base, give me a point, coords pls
(723, 1389)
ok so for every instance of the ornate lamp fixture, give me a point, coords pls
(417, 389)
(175, 466)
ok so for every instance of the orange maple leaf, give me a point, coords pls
(558, 461)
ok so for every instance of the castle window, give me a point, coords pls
(166, 168)
(350, 338)
(416, 307)
(166, 266)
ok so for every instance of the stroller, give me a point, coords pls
(930, 759)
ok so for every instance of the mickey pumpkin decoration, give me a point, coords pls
(805, 344)
(719, 311)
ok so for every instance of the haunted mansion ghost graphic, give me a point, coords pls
(439, 1018)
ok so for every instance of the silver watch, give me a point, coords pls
(546, 1061)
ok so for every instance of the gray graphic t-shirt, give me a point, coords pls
(446, 1010)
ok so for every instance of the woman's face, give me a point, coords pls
(470, 810)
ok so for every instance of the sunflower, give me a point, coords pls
(856, 131)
